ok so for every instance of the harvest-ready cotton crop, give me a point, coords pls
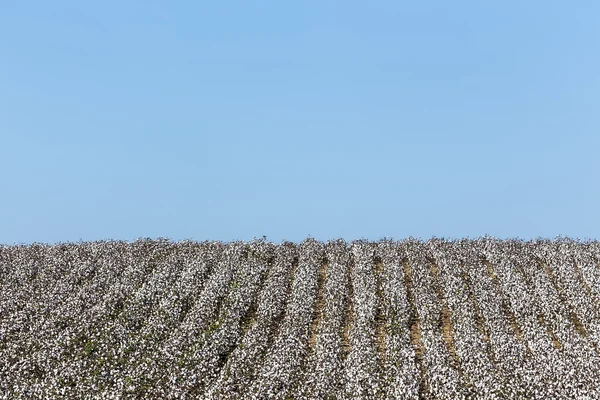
(438, 319)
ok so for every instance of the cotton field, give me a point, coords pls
(437, 319)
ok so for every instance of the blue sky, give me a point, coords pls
(232, 120)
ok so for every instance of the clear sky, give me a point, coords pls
(356, 119)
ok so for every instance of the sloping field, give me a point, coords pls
(479, 318)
